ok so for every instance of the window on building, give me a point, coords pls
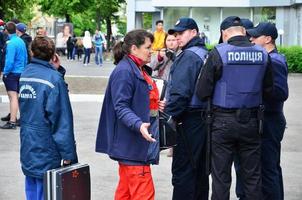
(172, 14)
(147, 21)
(265, 14)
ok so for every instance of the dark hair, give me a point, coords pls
(135, 37)
(10, 27)
(15, 20)
(165, 40)
(159, 21)
(43, 48)
(65, 25)
(69, 27)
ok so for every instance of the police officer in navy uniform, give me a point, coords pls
(247, 24)
(274, 121)
(236, 75)
(189, 179)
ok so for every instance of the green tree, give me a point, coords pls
(122, 26)
(105, 12)
(82, 22)
(269, 14)
(147, 21)
(64, 8)
(18, 9)
(82, 13)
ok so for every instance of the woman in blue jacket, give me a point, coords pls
(46, 132)
(128, 127)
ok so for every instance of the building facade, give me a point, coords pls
(286, 14)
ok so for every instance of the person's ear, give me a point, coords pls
(268, 39)
(133, 49)
(224, 35)
(244, 31)
(194, 31)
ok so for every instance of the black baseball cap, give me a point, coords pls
(247, 24)
(264, 28)
(183, 24)
(229, 22)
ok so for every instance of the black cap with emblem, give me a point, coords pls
(183, 24)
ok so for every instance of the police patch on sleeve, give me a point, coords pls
(245, 57)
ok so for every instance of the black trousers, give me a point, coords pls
(229, 137)
(189, 182)
(272, 181)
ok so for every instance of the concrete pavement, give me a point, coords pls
(91, 79)
(104, 174)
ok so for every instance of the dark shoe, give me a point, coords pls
(6, 118)
(9, 125)
(18, 122)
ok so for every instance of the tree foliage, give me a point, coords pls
(84, 14)
(147, 21)
(18, 9)
(64, 8)
(105, 12)
(83, 21)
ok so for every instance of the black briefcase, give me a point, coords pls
(167, 131)
(67, 183)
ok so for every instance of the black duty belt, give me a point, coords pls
(192, 113)
(253, 113)
(232, 110)
(231, 114)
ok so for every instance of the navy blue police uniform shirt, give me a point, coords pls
(183, 75)
(280, 92)
(212, 71)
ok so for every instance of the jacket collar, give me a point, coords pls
(273, 51)
(195, 41)
(139, 62)
(42, 62)
(135, 68)
(12, 35)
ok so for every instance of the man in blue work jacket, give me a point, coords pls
(274, 122)
(188, 166)
(236, 75)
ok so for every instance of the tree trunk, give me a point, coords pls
(109, 31)
(98, 19)
(67, 18)
(1, 14)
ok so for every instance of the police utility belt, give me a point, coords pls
(242, 115)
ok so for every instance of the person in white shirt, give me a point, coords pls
(87, 43)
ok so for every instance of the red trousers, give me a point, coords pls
(135, 183)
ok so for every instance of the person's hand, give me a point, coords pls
(145, 133)
(162, 105)
(66, 162)
(56, 61)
